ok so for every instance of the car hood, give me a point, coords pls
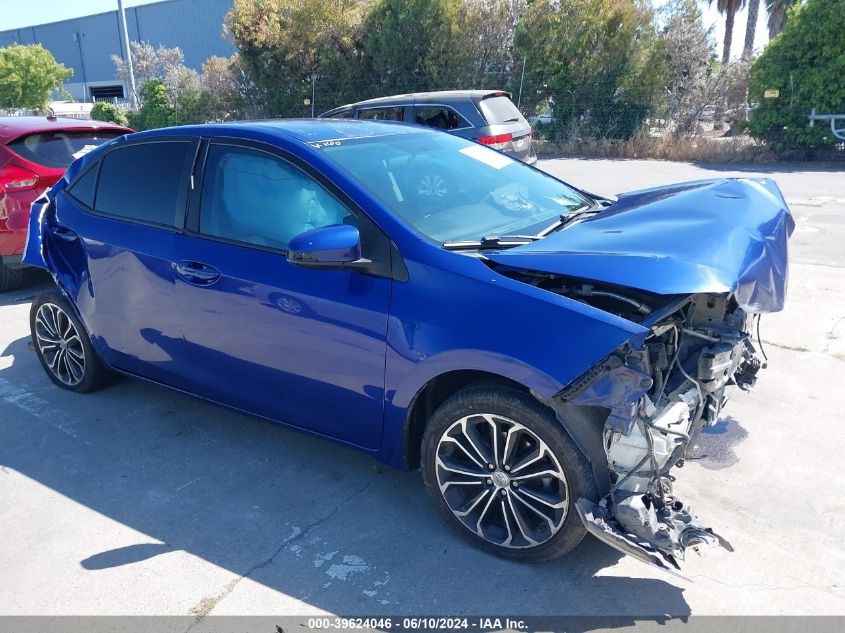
(711, 236)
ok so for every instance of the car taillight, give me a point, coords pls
(14, 178)
(496, 142)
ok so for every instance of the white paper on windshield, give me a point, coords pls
(85, 149)
(486, 156)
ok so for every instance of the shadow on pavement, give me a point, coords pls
(125, 555)
(300, 515)
(774, 168)
(835, 167)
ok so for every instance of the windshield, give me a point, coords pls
(450, 189)
(59, 148)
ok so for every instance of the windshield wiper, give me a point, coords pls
(491, 241)
(570, 216)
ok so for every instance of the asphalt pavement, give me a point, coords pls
(141, 500)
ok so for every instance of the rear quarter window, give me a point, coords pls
(441, 117)
(142, 182)
(59, 148)
(83, 188)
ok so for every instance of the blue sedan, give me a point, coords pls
(544, 355)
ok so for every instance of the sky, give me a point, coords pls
(18, 13)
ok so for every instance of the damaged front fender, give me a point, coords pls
(614, 385)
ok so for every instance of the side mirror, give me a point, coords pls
(335, 246)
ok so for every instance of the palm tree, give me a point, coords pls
(751, 28)
(777, 15)
(729, 9)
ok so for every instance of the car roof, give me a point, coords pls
(12, 127)
(301, 130)
(427, 97)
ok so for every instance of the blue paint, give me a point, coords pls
(712, 236)
(343, 352)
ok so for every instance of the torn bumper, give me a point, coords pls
(601, 524)
(659, 393)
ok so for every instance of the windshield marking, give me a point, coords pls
(487, 156)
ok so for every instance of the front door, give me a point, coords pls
(298, 345)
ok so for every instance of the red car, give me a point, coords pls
(34, 153)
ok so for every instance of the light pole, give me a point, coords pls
(133, 95)
(77, 37)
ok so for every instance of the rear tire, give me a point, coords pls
(490, 453)
(10, 278)
(63, 346)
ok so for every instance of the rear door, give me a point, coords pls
(116, 226)
(303, 346)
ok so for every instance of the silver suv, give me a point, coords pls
(486, 116)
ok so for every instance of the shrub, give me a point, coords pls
(155, 111)
(806, 63)
(103, 111)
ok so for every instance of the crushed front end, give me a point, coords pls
(695, 264)
(661, 390)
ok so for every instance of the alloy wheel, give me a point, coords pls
(501, 481)
(59, 344)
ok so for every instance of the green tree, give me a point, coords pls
(416, 45)
(603, 63)
(777, 10)
(287, 44)
(28, 76)
(103, 111)
(406, 39)
(806, 64)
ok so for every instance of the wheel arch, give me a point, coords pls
(434, 393)
(584, 424)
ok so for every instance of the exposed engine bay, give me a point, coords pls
(661, 390)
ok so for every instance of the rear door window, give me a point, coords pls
(145, 182)
(497, 110)
(441, 117)
(58, 148)
(382, 114)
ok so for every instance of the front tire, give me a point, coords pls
(505, 474)
(63, 346)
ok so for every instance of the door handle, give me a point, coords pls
(65, 233)
(197, 273)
